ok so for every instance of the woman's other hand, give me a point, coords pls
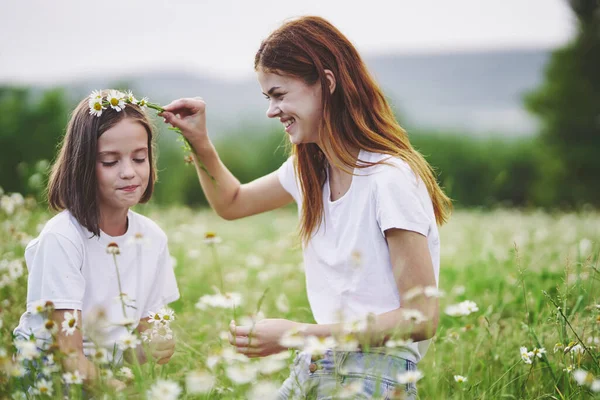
(263, 338)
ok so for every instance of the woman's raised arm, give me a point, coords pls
(230, 199)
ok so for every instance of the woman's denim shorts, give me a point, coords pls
(348, 374)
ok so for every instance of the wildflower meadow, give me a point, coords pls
(519, 309)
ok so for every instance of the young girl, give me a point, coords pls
(369, 209)
(103, 266)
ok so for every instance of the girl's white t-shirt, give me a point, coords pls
(347, 261)
(73, 270)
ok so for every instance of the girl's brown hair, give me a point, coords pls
(355, 115)
(73, 184)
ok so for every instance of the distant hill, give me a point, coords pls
(476, 93)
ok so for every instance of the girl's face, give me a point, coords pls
(297, 105)
(122, 166)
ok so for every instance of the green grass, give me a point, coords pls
(512, 264)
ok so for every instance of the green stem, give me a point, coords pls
(218, 267)
(120, 288)
(573, 330)
(258, 306)
(186, 144)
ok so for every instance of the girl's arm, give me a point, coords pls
(230, 199)
(71, 348)
(412, 267)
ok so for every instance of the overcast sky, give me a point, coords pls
(60, 40)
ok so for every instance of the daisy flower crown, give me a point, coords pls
(117, 100)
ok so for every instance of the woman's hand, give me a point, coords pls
(262, 339)
(189, 115)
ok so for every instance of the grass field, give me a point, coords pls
(517, 267)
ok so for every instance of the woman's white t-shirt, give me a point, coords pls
(347, 261)
(73, 270)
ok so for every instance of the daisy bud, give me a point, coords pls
(113, 248)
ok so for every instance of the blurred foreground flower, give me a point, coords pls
(264, 390)
(164, 390)
(462, 309)
(409, 377)
(218, 300)
(199, 382)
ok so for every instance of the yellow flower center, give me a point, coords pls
(97, 106)
(114, 101)
(49, 325)
(71, 323)
(166, 318)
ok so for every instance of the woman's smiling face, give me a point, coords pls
(297, 105)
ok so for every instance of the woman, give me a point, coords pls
(369, 209)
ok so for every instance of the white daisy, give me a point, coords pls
(583, 377)
(292, 339)
(525, 356)
(95, 95)
(270, 365)
(412, 293)
(113, 248)
(432, 291)
(398, 343)
(319, 345)
(350, 391)
(415, 316)
(96, 107)
(38, 307)
(43, 388)
(73, 378)
(164, 390)
(537, 352)
(131, 98)
(143, 102)
(263, 391)
(116, 100)
(69, 324)
(211, 238)
(577, 349)
(100, 355)
(347, 342)
(355, 326)
(125, 373)
(49, 327)
(241, 374)
(128, 341)
(460, 378)
(409, 377)
(282, 303)
(27, 349)
(199, 382)
(165, 315)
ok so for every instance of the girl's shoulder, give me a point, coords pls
(63, 227)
